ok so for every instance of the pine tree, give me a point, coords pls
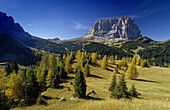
(133, 92)
(104, 63)
(68, 65)
(40, 100)
(42, 82)
(62, 73)
(14, 86)
(123, 87)
(31, 89)
(4, 102)
(131, 72)
(56, 81)
(86, 70)
(7, 69)
(94, 58)
(15, 66)
(113, 83)
(120, 89)
(79, 85)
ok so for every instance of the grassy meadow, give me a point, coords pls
(152, 83)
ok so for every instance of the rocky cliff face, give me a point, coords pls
(8, 26)
(120, 28)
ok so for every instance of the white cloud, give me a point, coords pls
(134, 16)
(30, 25)
(80, 26)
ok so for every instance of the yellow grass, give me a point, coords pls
(153, 83)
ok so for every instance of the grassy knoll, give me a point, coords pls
(153, 83)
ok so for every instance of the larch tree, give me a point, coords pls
(49, 78)
(64, 57)
(131, 72)
(112, 59)
(78, 55)
(79, 85)
(94, 58)
(104, 62)
(134, 59)
(138, 62)
(86, 70)
(154, 64)
(116, 58)
(14, 86)
(52, 63)
(68, 67)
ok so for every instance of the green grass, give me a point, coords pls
(153, 83)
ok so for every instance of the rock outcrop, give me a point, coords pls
(8, 26)
(120, 28)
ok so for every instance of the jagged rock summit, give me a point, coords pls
(117, 28)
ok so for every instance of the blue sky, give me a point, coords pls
(67, 19)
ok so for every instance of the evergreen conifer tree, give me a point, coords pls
(62, 73)
(79, 85)
(4, 102)
(133, 92)
(32, 88)
(120, 89)
(113, 83)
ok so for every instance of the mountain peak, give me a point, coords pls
(116, 28)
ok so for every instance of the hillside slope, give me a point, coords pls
(10, 48)
(146, 48)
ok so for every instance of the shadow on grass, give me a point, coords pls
(95, 76)
(111, 66)
(49, 98)
(70, 77)
(144, 80)
(92, 98)
(95, 65)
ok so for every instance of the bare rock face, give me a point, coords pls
(120, 28)
(8, 26)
